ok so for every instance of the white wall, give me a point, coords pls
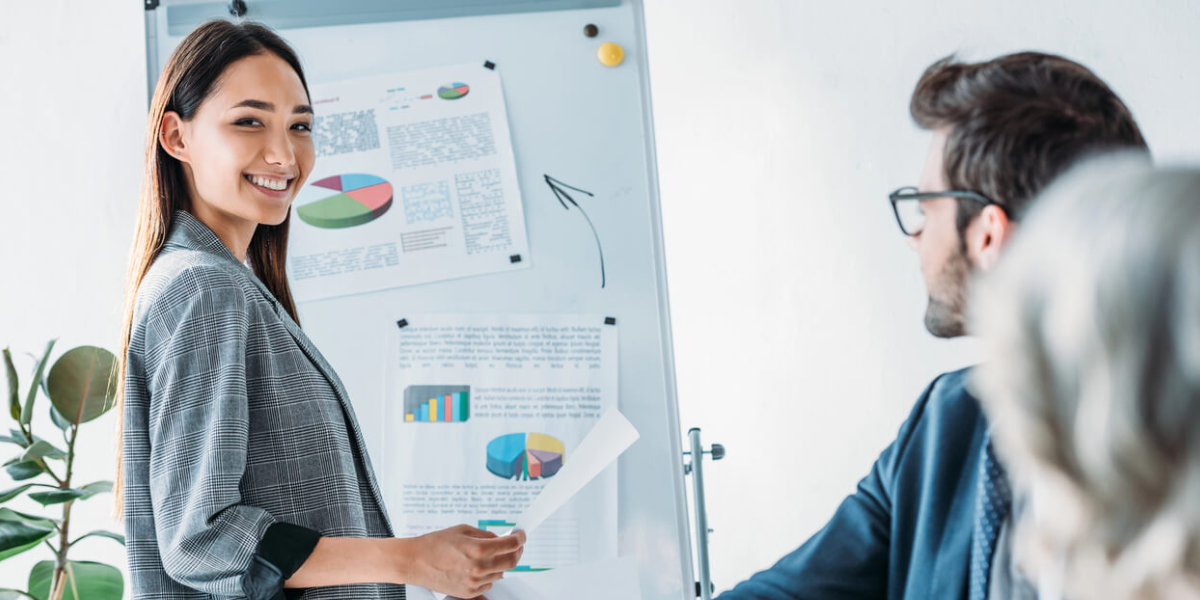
(781, 126)
(73, 102)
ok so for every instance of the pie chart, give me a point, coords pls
(343, 201)
(453, 91)
(525, 456)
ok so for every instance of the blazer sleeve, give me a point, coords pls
(209, 540)
(849, 557)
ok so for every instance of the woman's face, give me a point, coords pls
(249, 146)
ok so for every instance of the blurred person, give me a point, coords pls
(1091, 326)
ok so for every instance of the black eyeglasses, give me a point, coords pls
(906, 203)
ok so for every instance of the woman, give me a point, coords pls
(1091, 325)
(243, 468)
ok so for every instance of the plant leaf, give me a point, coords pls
(91, 580)
(27, 413)
(9, 494)
(18, 435)
(99, 533)
(55, 496)
(80, 383)
(59, 421)
(98, 487)
(13, 440)
(25, 469)
(11, 594)
(14, 394)
(7, 514)
(17, 536)
(42, 449)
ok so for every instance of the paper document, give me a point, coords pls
(607, 440)
(482, 412)
(415, 181)
(603, 580)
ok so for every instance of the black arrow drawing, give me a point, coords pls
(564, 197)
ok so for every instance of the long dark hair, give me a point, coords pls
(186, 81)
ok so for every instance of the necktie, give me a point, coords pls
(991, 509)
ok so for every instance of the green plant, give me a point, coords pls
(80, 388)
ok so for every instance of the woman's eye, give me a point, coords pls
(246, 121)
(306, 126)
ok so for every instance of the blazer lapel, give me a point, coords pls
(317, 359)
(189, 232)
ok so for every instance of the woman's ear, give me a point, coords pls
(170, 135)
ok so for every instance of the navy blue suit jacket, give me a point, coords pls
(906, 532)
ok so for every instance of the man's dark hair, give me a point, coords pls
(1016, 122)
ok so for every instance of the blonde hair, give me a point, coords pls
(1091, 330)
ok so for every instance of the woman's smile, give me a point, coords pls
(274, 186)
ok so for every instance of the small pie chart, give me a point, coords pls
(525, 456)
(357, 198)
(453, 91)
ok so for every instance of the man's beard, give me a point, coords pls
(944, 315)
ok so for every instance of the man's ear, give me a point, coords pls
(986, 236)
(171, 135)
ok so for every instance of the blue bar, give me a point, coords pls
(456, 412)
(424, 412)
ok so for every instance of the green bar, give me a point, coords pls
(463, 398)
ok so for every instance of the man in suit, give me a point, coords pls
(931, 518)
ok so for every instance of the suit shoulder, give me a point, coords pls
(948, 398)
(178, 275)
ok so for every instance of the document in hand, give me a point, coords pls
(611, 436)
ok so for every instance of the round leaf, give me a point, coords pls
(80, 383)
(85, 581)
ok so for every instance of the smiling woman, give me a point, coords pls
(246, 149)
(243, 470)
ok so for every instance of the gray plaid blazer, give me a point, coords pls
(233, 422)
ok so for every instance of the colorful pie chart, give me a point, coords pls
(525, 456)
(359, 199)
(453, 91)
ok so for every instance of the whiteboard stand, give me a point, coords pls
(695, 468)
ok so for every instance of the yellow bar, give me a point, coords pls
(408, 417)
(433, 411)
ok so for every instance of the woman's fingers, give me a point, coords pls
(505, 544)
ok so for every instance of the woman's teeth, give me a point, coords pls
(269, 183)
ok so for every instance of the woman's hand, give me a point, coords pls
(463, 561)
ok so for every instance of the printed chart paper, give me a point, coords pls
(604, 580)
(414, 182)
(482, 412)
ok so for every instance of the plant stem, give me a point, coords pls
(60, 563)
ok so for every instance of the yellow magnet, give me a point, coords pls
(610, 54)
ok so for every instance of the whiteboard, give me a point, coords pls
(570, 118)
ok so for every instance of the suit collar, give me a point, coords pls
(189, 232)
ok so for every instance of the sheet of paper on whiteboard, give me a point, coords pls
(414, 182)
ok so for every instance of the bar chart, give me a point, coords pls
(437, 404)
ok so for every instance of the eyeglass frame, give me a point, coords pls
(909, 192)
